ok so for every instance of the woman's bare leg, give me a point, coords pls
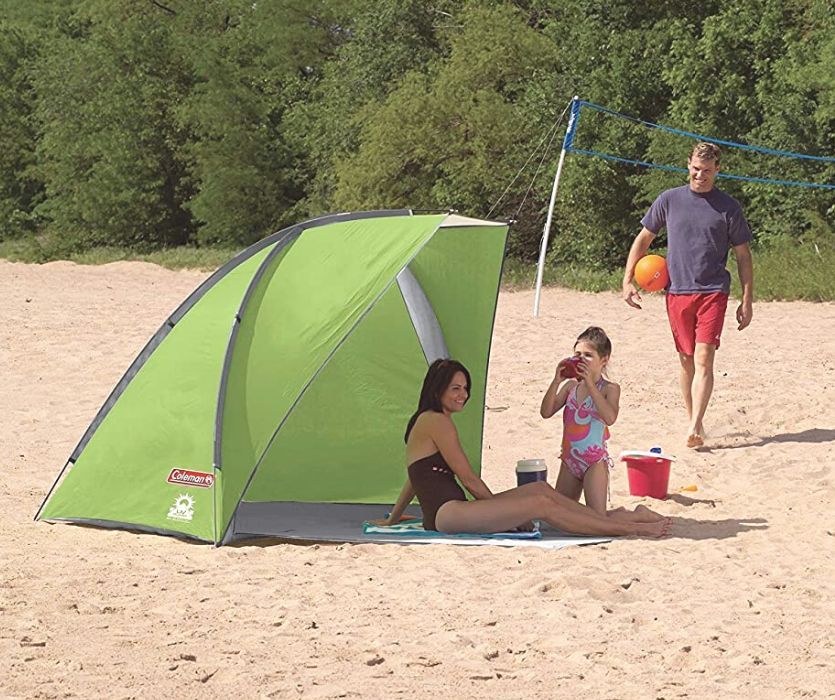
(507, 511)
(536, 501)
(641, 514)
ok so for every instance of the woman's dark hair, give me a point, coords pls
(438, 378)
(597, 338)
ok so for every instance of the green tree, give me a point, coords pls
(454, 134)
(252, 63)
(20, 189)
(376, 44)
(109, 149)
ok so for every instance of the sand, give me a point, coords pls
(739, 602)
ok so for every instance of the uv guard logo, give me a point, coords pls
(184, 477)
(182, 509)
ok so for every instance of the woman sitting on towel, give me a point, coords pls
(435, 458)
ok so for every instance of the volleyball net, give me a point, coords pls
(658, 145)
(615, 137)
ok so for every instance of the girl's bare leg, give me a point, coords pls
(568, 484)
(596, 487)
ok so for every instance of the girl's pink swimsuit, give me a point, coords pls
(584, 433)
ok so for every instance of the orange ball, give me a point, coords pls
(651, 273)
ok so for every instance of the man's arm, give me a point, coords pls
(745, 269)
(639, 249)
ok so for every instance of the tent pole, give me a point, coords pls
(543, 247)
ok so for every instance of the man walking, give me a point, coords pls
(703, 223)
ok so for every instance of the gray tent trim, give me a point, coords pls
(233, 336)
(423, 317)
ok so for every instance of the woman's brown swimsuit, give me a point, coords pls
(434, 484)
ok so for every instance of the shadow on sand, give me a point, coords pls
(688, 501)
(807, 436)
(693, 529)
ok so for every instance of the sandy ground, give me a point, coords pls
(740, 602)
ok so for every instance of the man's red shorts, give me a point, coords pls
(696, 318)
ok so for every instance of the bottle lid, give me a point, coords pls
(531, 465)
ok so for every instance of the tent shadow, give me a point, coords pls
(253, 541)
(272, 541)
(693, 529)
(813, 435)
(180, 537)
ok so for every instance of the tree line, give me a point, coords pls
(157, 123)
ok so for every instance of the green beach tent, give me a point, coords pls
(273, 400)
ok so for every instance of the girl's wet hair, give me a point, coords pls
(597, 338)
(438, 378)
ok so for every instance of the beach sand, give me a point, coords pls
(738, 603)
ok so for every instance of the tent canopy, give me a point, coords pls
(287, 378)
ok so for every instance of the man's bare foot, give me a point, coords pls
(657, 529)
(695, 440)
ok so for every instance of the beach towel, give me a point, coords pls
(414, 528)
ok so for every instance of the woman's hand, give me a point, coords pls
(382, 522)
(529, 526)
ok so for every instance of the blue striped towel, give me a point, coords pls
(414, 528)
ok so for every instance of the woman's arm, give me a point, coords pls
(407, 493)
(443, 433)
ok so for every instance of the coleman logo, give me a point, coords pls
(182, 508)
(184, 477)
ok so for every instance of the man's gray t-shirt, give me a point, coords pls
(701, 228)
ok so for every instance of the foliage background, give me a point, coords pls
(148, 124)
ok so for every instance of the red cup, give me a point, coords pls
(569, 369)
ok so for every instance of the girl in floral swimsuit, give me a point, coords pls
(590, 405)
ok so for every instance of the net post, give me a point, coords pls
(543, 246)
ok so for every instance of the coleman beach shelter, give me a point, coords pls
(277, 394)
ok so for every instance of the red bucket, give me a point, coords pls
(647, 475)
